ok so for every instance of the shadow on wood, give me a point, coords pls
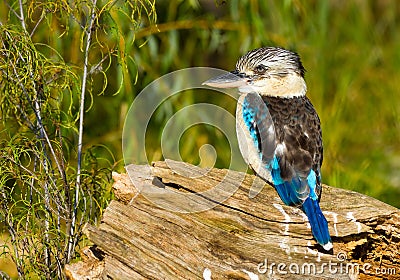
(249, 235)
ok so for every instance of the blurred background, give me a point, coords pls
(349, 48)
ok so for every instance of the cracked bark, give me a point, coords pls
(250, 234)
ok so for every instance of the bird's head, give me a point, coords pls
(268, 71)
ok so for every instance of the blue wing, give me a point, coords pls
(259, 122)
(288, 153)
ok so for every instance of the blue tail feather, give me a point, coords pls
(303, 192)
(287, 193)
(319, 225)
(292, 192)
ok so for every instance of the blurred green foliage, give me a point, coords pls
(350, 49)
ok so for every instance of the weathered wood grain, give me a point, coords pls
(151, 231)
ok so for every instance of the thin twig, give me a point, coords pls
(22, 16)
(98, 67)
(34, 104)
(42, 17)
(45, 144)
(33, 176)
(36, 109)
(42, 135)
(89, 31)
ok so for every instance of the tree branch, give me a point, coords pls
(89, 31)
(22, 16)
(243, 237)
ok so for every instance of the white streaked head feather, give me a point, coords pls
(272, 71)
(292, 85)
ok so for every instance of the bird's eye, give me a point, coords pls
(260, 69)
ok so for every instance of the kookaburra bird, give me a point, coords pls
(278, 129)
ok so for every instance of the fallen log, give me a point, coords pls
(178, 221)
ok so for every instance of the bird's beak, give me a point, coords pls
(230, 80)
